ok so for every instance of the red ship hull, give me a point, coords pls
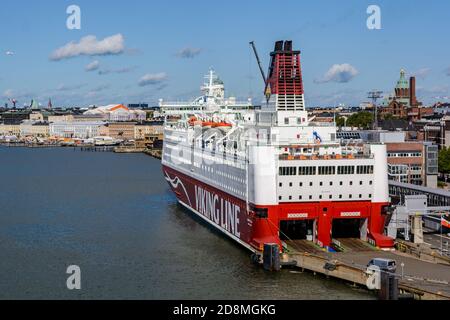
(232, 216)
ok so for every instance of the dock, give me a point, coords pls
(422, 280)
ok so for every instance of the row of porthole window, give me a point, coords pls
(350, 196)
(341, 183)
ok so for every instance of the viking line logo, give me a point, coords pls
(222, 212)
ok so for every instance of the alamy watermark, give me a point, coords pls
(374, 19)
(73, 21)
(74, 280)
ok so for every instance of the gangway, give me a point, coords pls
(409, 217)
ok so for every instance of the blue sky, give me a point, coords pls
(162, 49)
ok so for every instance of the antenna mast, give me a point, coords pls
(375, 95)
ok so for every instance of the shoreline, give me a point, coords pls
(155, 153)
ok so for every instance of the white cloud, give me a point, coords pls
(341, 73)
(90, 46)
(153, 79)
(9, 53)
(422, 73)
(189, 53)
(63, 87)
(94, 65)
(121, 70)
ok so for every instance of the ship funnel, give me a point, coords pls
(288, 46)
(278, 46)
(284, 81)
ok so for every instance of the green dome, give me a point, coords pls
(402, 82)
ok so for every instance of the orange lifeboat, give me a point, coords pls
(221, 125)
(192, 120)
(207, 124)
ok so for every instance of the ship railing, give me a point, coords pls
(325, 157)
(322, 124)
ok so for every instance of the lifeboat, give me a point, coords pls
(207, 124)
(221, 125)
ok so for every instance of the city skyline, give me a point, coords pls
(164, 50)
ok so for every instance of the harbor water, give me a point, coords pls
(114, 216)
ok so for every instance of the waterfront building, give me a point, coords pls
(30, 128)
(80, 130)
(144, 129)
(15, 116)
(10, 129)
(36, 116)
(121, 130)
(60, 118)
(118, 113)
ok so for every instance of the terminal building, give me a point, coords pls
(414, 162)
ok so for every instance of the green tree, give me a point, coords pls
(361, 120)
(340, 121)
(444, 161)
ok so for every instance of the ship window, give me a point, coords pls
(341, 183)
(340, 196)
(360, 196)
(331, 196)
(307, 171)
(331, 183)
(350, 196)
(370, 182)
(301, 184)
(346, 170)
(320, 197)
(310, 184)
(327, 170)
(281, 184)
(321, 183)
(299, 197)
(288, 171)
(280, 198)
(290, 184)
(310, 197)
(286, 120)
(351, 183)
(290, 197)
(370, 196)
(360, 183)
(364, 170)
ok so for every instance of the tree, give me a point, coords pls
(340, 121)
(444, 161)
(361, 120)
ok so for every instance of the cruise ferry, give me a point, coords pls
(269, 174)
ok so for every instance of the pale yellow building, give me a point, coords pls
(10, 130)
(36, 116)
(34, 129)
(143, 130)
(63, 118)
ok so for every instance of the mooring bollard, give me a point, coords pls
(271, 257)
(389, 287)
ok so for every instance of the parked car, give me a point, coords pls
(387, 265)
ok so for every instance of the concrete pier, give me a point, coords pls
(421, 279)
